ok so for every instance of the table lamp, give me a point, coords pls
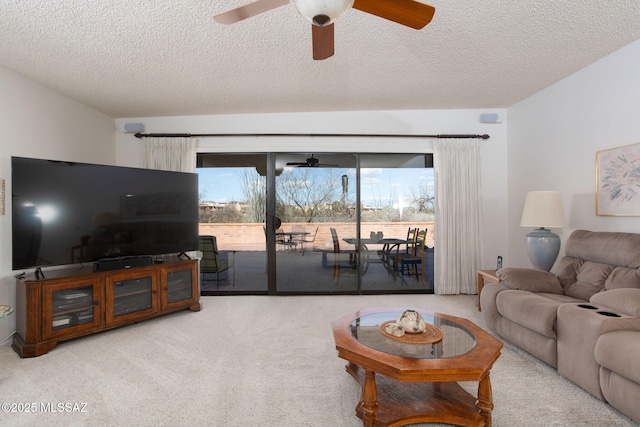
(542, 210)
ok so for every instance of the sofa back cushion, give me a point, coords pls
(623, 277)
(619, 249)
(589, 280)
(526, 279)
(567, 271)
(596, 261)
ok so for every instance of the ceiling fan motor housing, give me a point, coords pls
(322, 12)
(321, 20)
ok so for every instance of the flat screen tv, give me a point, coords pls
(70, 212)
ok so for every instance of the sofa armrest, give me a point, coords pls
(625, 300)
(529, 279)
(488, 299)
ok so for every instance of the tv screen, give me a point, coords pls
(70, 212)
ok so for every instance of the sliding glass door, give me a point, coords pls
(317, 210)
(397, 222)
(233, 210)
(321, 223)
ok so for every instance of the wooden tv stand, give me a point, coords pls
(74, 302)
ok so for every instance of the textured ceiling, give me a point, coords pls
(142, 58)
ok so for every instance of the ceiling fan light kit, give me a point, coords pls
(322, 12)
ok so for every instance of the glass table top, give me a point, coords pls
(456, 339)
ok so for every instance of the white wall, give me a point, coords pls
(36, 121)
(493, 150)
(555, 134)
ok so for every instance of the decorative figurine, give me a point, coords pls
(411, 322)
(394, 329)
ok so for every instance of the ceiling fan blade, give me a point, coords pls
(405, 12)
(323, 46)
(248, 10)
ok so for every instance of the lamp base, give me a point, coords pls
(543, 247)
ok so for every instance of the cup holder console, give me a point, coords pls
(603, 313)
(608, 313)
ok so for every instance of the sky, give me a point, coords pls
(379, 186)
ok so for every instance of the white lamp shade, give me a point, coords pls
(543, 209)
(330, 8)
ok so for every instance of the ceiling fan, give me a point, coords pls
(322, 14)
(311, 162)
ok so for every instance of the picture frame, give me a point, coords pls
(618, 181)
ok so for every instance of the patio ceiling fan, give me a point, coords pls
(322, 14)
(311, 162)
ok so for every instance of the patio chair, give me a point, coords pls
(337, 257)
(212, 261)
(419, 260)
(308, 239)
(340, 258)
(399, 252)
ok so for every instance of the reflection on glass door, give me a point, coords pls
(316, 239)
(232, 210)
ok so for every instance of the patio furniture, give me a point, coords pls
(212, 262)
(288, 239)
(405, 254)
(307, 239)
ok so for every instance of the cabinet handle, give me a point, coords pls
(96, 302)
(155, 292)
(166, 288)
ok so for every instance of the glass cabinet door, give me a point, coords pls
(130, 294)
(179, 284)
(73, 308)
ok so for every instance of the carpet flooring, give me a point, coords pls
(255, 361)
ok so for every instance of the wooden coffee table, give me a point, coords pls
(405, 383)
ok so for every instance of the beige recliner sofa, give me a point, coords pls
(583, 318)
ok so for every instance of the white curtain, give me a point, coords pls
(171, 154)
(458, 237)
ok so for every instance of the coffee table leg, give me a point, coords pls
(369, 399)
(485, 400)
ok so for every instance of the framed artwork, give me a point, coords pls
(618, 181)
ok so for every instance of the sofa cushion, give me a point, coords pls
(616, 350)
(615, 248)
(566, 269)
(528, 279)
(589, 280)
(623, 277)
(531, 310)
(626, 300)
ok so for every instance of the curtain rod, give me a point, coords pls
(341, 135)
